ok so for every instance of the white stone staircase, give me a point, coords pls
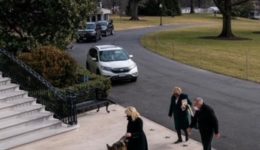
(22, 120)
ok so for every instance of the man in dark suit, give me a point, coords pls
(207, 123)
(179, 110)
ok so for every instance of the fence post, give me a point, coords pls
(247, 64)
(173, 49)
(156, 43)
(200, 56)
(71, 102)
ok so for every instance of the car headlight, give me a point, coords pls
(93, 32)
(132, 67)
(106, 68)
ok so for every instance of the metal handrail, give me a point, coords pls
(35, 74)
(66, 99)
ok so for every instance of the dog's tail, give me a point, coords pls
(108, 147)
(123, 138)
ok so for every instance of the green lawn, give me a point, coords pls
(123, 23)
(240, 59)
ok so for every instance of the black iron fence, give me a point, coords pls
(62, 104)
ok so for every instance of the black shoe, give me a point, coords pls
(178, 141)
(187, 139)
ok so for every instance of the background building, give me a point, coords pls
(255, 13)
(100, 14)
(116, 6)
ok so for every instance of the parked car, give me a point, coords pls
(107, 28)
(92, 31)
(113, 62)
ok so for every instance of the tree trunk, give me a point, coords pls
(134, 10)
(199, 3)
(113, 6)
(227, 18)
(192, 7)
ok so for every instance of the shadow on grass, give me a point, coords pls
(128, 20)
(224, 39)
(256, 32)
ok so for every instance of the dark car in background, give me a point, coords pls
(92, 31)
(107, 28)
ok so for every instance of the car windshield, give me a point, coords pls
(103, 23)
(90, 26)
(113, 55)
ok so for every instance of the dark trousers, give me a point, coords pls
(179, 134)
(206, 139)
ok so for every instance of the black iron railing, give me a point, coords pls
(62, 104)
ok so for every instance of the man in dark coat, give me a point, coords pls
(207, 123)
(179, 110)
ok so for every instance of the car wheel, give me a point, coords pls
(98, 72)
(77, 40)
(87, 65)
(96, 38)
(134, 79)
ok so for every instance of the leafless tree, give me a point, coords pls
(225, 7)
(134, 9)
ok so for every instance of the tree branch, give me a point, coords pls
(218, 4)
(239, 2)
(15, 28)
(12, 26)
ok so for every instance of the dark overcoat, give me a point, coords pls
(206, 120)
(181, 118)
(207, 123)
(138, 140)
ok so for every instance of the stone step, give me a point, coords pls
(17, 103)
(22, 120)
(8, 88)
(4, 81)
(33, 136)
(28, 119)
(10, 96)
(25, 129)
(20, 111)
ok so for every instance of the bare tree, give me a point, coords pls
(225, 7)
(199, 3)
(134, 9)
(192, 7)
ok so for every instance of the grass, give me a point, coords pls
(239, 59)
(123, 23)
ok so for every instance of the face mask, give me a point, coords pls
(195, 108)
(176, 94)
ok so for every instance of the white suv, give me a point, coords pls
(111, 61)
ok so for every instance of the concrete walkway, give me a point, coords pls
(98, 129)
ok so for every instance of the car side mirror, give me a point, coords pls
(131, 56)
(94, 59)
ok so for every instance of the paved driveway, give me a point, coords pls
(236, 102)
